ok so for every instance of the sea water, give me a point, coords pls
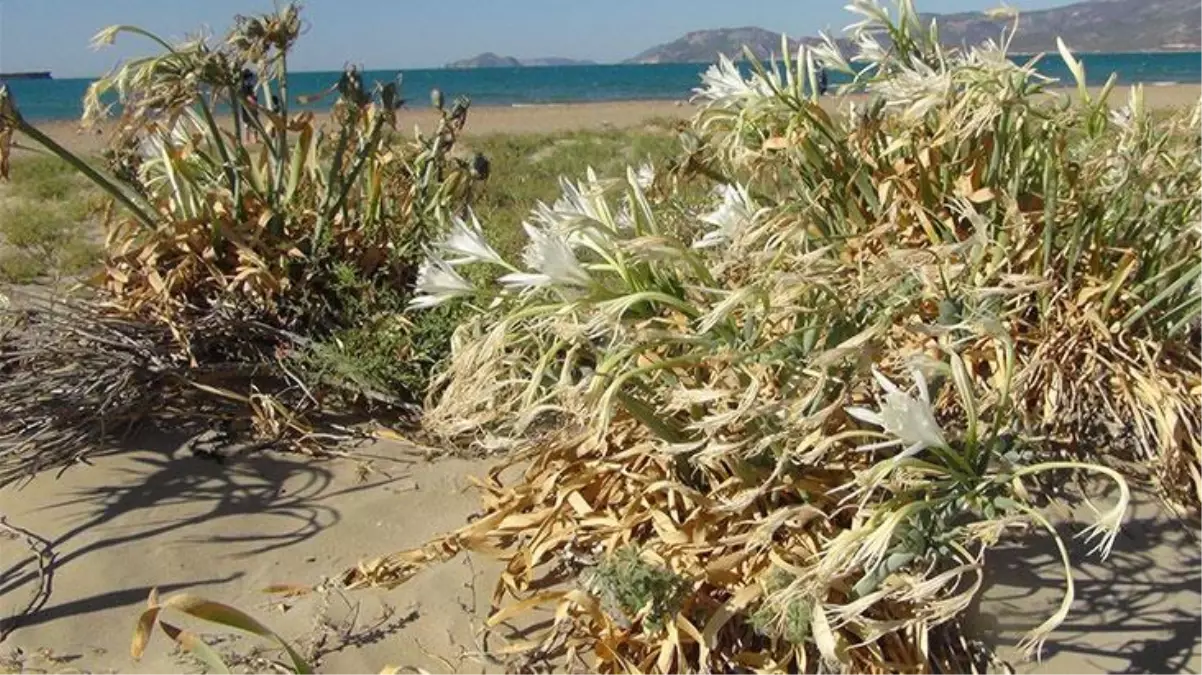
(44, 100)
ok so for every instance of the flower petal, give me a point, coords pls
(885, 382)
(523, 280)
(864, 415)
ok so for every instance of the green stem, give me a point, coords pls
(92, 174)
(333, 178)
(360, 161)
(282, 166)
(227, 165)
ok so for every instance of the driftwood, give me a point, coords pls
(75, 378)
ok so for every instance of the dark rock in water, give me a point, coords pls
(29, 75)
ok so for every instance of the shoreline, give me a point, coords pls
(559, 117)
(675, 100)
(482, 120)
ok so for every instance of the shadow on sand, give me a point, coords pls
(1138, 611)
(131, 503)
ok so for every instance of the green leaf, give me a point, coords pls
(1162, 297)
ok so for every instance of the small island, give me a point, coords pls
(493, 60)
(27, 75)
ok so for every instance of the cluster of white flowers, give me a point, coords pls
(918, 89)
(578, 218)
(723, 85)
(437, 280)
(582, 203)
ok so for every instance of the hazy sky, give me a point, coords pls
(54, 34)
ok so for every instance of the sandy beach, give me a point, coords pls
(484, 120)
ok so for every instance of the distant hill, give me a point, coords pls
(703, 46)
(556, 61)
(491, 60)
(1091, 26)
(486, 60)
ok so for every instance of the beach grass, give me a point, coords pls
(775, 387)
(819, 402)
(48, 226)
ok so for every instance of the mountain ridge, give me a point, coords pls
(1113, 26)
(1088, 26)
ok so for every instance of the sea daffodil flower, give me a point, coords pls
(467, 241)
(438, 282)
(911, 421)
(551, 257)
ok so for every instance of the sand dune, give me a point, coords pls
(153, 516)
(80, 553)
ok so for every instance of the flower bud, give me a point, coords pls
(436, 98)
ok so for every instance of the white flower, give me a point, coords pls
(582, 201)
(438, 282)
(1122, 118)
(625, 218)
(466, 240)
(734, 213)
(645, 177)
(553, 260)
(919, 89)
(723, 84)
(874, 16)
(910, 420)
(163, 139)
(829, 56)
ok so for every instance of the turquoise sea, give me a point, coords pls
(60, 99)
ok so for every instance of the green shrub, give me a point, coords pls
(634, 587)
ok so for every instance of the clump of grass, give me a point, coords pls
(45, 178)
(19, 267)
(637, 589)
(40, 236)
(48, 221)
